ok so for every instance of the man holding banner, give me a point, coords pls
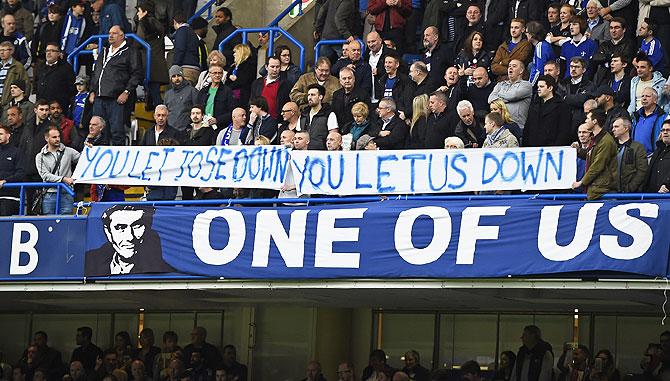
(601, 160)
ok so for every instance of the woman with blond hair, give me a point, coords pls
(417, 130)
(241, 74)
(358, 127)
(215, 57)
(500, 107)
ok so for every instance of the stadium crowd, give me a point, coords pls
(434, 74)
(202, 361)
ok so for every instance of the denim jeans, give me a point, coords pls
(49, 203)
(112, 113)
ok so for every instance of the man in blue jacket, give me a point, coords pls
(647, 120)
(186, 49)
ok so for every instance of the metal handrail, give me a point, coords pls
(207, 7)
(285, 12)
(334, 42)
(73, 58)
(360, 199)
(22, 187)
(275, 30)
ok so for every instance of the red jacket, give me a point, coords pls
(399, 13)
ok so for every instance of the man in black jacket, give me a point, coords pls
(393, 131)
(160, 130)
(222, 104)
(658, 177)
(117, 73)
(396, 85)
(619, 45)
(549, 118)
(223, 20)
(11, 171)
(272, 87)
(436, 56)
(605, 97)
(438, 126)
(346, 97)
(54, 79)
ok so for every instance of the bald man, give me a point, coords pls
(436, 57)
(117, 73)
(334, 141)
(479, 93)
(236, 132)
(515, 92)
(290, 114)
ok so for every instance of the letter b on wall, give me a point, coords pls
(28, 247)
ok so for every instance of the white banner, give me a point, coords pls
(433, 171)
(210, 166)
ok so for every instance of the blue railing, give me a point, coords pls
(207, 7)
(22, 192)
(321, 43)
(73, 58)
(360, 199)
(274, 31)
(285, 12)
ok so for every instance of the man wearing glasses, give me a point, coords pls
(217, 97)
(345, 372)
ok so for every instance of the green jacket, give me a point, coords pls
(601, 175)
(633, 168)
(15, 72)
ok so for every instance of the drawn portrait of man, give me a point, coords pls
(132, 246)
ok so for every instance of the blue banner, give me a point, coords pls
(42, 248)
(390, 239)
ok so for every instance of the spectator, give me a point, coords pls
(31, 140)
(549, 118)
(553, 18)
(336, 20)
(70, 136)
(472, 56)
(475, 23)
(170, 338)
(419, 125)
(95, 136)
(648, 120)
(180, 98)
(313, 372)
(15, 124)
(17, 90)
(436, 56)
(209, 352)
(468, 128)
(505, 366)
(54, 79)
(176, 370)
(606, 101)
(186, 49)
(413, 367)
(77, 27)
(651, 45)
(48, 31)
(618, 44)
(515, 92)
(597, 28)
(10, 71)
(272, 87)
(601, 164)
(11, 171)
(236, 132)
(577, 90)
(553, 69)
(334, 141)
(617, 80)
(390, 18)
(584, 143)
(200, 28)
(631, 158)
(261, 123)
(81, 107)
(500, 107)
(418, 73)
(453, 142)
(452, 88)
(525, 9)
(23, 17)
(560, 33)
(161, 129)
(359, 126)
(376, 366)
(77, 371)
(233, 369)
(214, 58)
(54, 164)
(345, 98)
(438, 126)
(658, 176)
(152, 32)
(320, 76)
(345, 372)
(534, 351)
(579, 45)
(646, 77)
(223, 27)
(516, 48)
(578, 367)
(393, 132)
(290, 117)
(117, 74)
(478, 93)
(375, 56)
(198, 371)
(138, 371)
(111, 14)
(289, 71)
(542, 51)
(17, 39)
(604, 363)
(317, 118)
(217, 97)
(470, 371)
(361, 69)
(242, 74)
(286, 138)
(395, 85)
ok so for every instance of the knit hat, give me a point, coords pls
(176, 70)
(604, 90)
(199, 23)
(21, 84)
